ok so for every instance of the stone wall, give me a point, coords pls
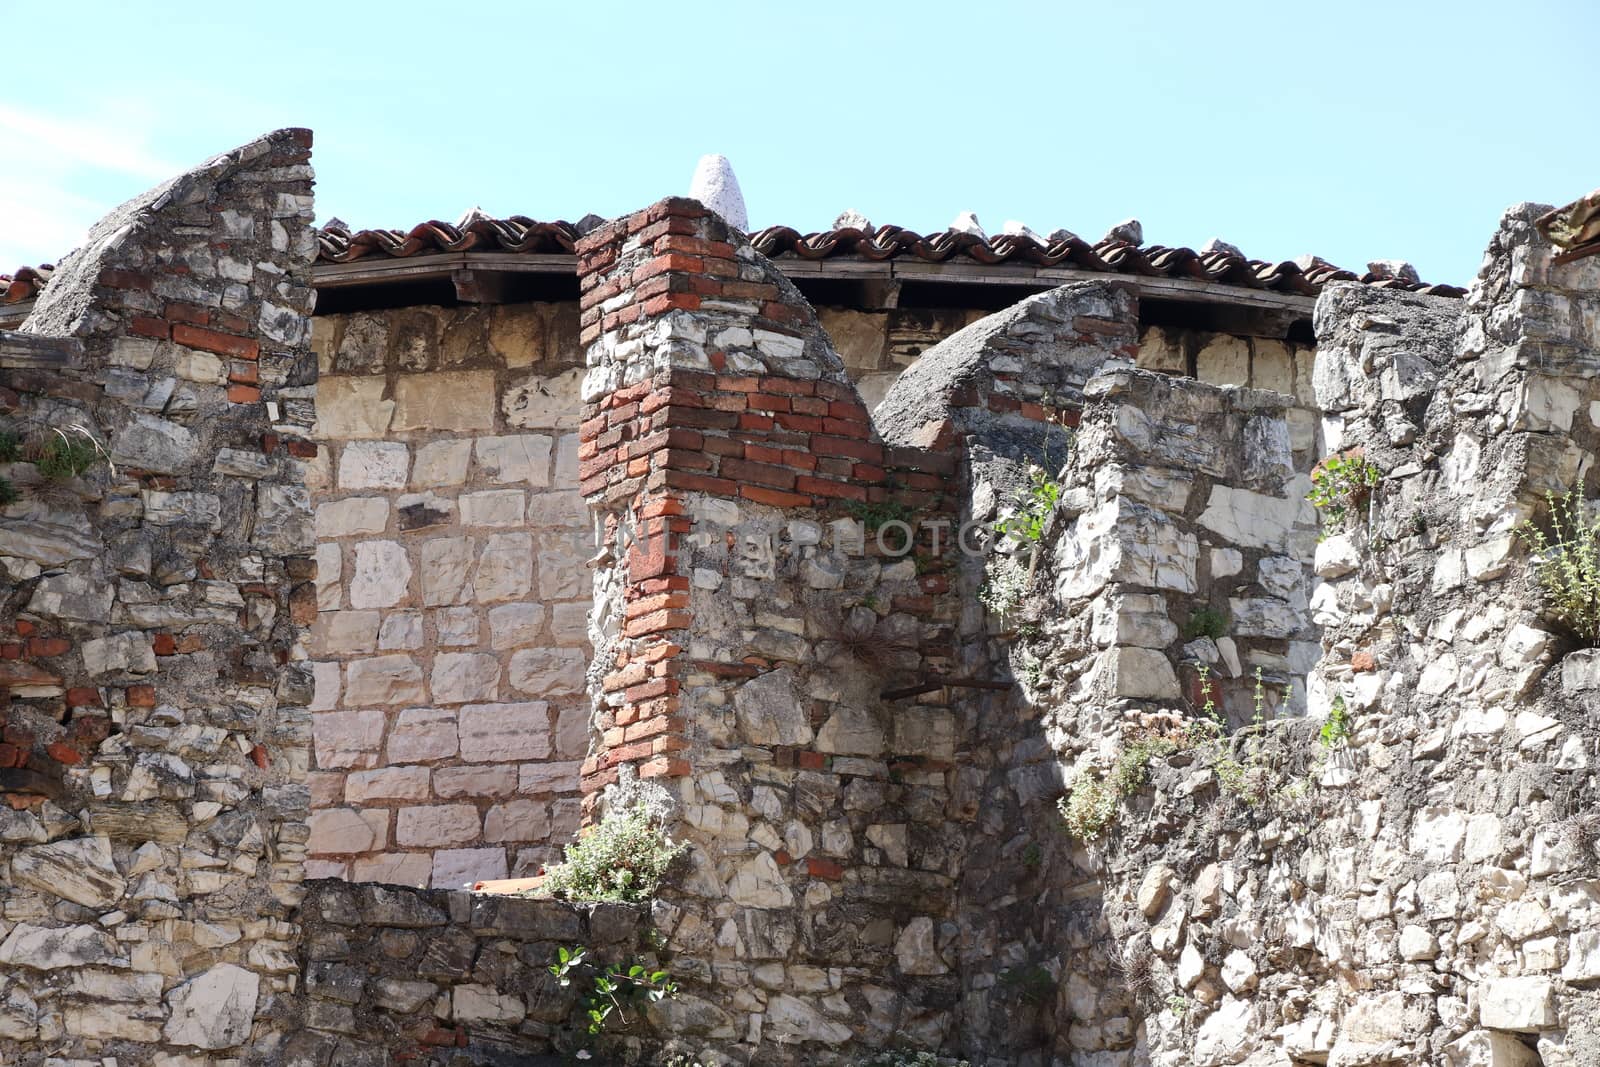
(400, 975)
(451, 640)
(152, 842)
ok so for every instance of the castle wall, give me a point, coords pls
(450, 642)
(156, 737)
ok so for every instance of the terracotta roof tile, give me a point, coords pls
(337, 243)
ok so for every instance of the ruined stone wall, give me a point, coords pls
(435, 977)
(156, 738)
(451, 640)
(1408, 874)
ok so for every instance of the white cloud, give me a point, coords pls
(58, 174)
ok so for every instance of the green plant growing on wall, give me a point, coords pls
(1341, 487)
(874, 515)
(611, 990)
(908, 1058)
(1005, 584)
(1335, 732)
(1566, 564)
(1027, 523)
(8, 493)
(1034, 984)
(59, 455)
(1206, 622)
(10, 446)
(622, 859)
(1088, 807)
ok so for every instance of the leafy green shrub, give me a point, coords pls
(1088, 807)
(1566, 563)
(8, 493)
(60, 457)
(608, 991)
(1342, 485)
(10, 446)
(1034, 984)
(1132, 768)
(1005, 584)
(1206, 622)
(1335, 732)
(1039, 500)
(622, 859)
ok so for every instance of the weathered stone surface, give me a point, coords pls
(422, 734)
(770, 710)
(499, 732)
(374, 465)
(52, 948)
(1525, 1004)
(213, 1010)
(382, 575)
(444, 400)
(460, 677)
(383, 680)
(547, 671)
(79, 870)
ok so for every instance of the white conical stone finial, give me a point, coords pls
(715, 186)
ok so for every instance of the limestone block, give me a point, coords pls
(446, 561)
(1271, 366)
(478, 781)
(569, 623)
(1524, 1004)
(1224, 360)
(339, 632)
(421, 734)
(444, 400)
(326, 681)
(213, 1010)
(792, 1020)
(505, 568)
(485, 1004)
(70, 596)
(401, 630)
(858, 336)
(109, 1022)
(536, 779)
(459, 868)
(572, 732)
(1264, 617)
(1484, 1048)
(392, 679)
(914, 949)
(1254, 520)
(522, 458)
(459, 677)
(374, 465)
(560, 509)
(352, 408)
(548, 671)
(545, 402)
(1141, 673)
(437, 825)
(517, 820)
(1225, 1034)
(51, 948)
(441, 464)
(456, 627)
(931, 733)
(330, 565)
(501, 732)
(567, 461)
(340, 831)
(759, 883)
(394, 868)
(352, 516)
(492, 507)
(80, 870)
(851, 731)
(347, 738)
(131, 652)
(516, 333)
(563, 570)
(154, 444)
(388, 783)
(1155, 889)
(770, 710)
(1336, 556)
(381, 577)
(1161, 349)
(515, 625)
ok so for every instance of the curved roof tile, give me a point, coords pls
(337, 243)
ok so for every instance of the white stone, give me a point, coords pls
(1250, 519)
(1525, 1004)
(80, 870)
(351, 516)
(49, 948)
(520, 458)
(441, 463)
(505, 568)
(381, 576)
(515, 625)
(1337, 556)
(131, 652)
(446, 562)
(715, 186)
(213, 1010)
(460, 677)
(759, 883)
(914, 949)
(473, 1003)
(374, 465)
(492, 507)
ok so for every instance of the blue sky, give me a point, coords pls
(1352, 130)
